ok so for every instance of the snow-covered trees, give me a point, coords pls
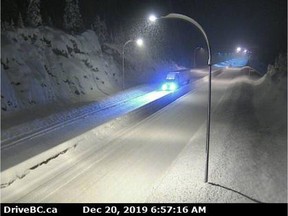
(12, 25)
(34, 18)
(279, 68)
(100, 28)
(72, 17)
(4, 26)
(20, 22)
(49, 21)
(7, 26)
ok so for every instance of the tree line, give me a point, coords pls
(16, 14)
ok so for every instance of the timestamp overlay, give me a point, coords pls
(143, 209)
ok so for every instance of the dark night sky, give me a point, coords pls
(259, 25)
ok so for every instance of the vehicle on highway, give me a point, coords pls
(175, 79)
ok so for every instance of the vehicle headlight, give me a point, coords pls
(164, 87)
(173, 86)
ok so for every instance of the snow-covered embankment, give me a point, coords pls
(42, 66)
(248, 150)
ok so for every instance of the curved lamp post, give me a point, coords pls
(139, 42)
(152, 18)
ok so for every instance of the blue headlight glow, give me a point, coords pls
(173, 87)
(164, 87)
(169, 86)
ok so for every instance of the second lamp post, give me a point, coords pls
(139, 42)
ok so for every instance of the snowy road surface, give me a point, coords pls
(136, 161)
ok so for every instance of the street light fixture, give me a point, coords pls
(139, 42)
(193, 22)
(152, 18)
(238, 49)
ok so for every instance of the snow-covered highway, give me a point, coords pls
(134, 163)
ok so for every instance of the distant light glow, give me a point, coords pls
(152, 18)
(139, 42)
(238, 49)
(245, 51)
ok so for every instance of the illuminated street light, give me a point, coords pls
(238, 49)
(152, 18)
(245, 51)
(193, 22)
(139, 43)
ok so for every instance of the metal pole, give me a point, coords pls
(123, 63)
(195, 58)
(186, 18)
(208, 126)
(123, 68)
(195, 55)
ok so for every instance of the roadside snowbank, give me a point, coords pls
(248, 151)
(271, 92)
